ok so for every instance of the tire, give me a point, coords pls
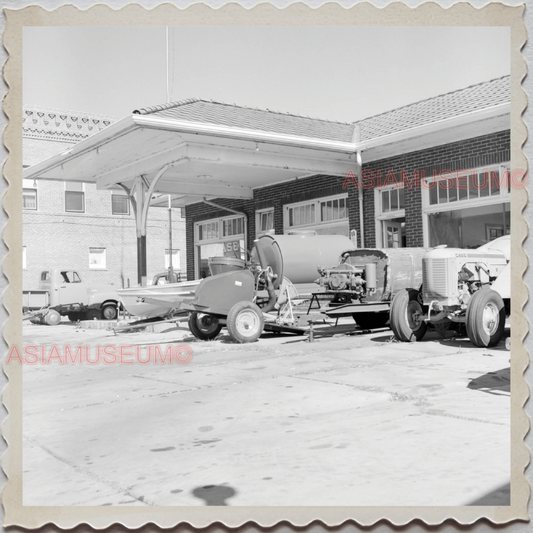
(245, 322)
(52, 318)
(404, 316)
(371, 320)
(109, 311)
(93, 314)
(485, 318)
(204, 327)
(74, 317)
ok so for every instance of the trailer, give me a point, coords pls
(264, 295)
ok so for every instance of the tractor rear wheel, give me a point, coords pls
(204, 327)
(406, 316)
(485, 318)
(245, 322)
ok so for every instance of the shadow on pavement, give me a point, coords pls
(214, 494)
(500, 496)
(493, 382)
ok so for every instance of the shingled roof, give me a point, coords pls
(210, 112)
(449, 105)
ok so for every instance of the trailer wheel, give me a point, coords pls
(109, 311)
(204, 327)
(371, 320)
(52, 318)
(485, 318)
(406, 316)
(245, 322)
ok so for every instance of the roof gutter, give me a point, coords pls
(419, 131)
(150, 121)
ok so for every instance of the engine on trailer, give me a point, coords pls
(358, 279)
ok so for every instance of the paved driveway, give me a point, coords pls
(347, 420)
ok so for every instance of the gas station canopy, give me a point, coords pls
(199, 149)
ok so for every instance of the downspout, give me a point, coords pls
(356, 139)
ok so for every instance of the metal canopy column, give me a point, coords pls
(140, 196)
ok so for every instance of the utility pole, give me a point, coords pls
(170, 266)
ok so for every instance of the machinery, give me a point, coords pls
(365, 281)
(242, 299)
(461, 286)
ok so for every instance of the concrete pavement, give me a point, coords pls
(347, 420)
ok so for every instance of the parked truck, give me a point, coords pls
(62, 292)
(459, 286)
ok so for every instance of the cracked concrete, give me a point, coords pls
(346, 420)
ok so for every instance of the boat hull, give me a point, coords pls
(157, 300)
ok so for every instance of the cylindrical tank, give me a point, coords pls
(297, 257)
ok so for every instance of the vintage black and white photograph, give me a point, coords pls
(266, 266)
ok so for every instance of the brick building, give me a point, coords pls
(433, 173)
(77, 226)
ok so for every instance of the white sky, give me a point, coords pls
(338, 73)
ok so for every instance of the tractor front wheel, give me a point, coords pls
(485, 318)
(245, 322)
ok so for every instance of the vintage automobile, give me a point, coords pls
(61, 291)
(462, 286)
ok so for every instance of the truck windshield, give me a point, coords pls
(69, 276)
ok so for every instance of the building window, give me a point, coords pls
(175, 259)
(326, 216)
(29, 195)
(233, 226)
(24, 258)
(450, 187)
(392, 199)
(468, 208)
(120, 204)
(74, 197)
(208, 231)
(97, 258)
(219, 237)
(264, 222)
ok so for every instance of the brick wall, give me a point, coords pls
(57, 239)
(273, 196)
(480, 151)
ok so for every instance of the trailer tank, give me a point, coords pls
(296, 257)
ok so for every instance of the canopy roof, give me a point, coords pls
(200, 149)
(197, 149)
